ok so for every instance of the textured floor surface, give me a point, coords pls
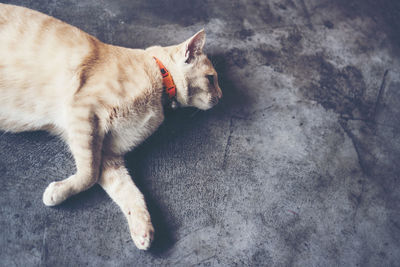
(297, 166)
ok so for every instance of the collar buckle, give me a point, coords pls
(168, 82)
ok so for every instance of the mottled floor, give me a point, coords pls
(297, 166)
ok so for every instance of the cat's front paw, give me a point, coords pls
(54, 194)
(142, 231)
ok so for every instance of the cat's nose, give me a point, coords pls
(219, 92)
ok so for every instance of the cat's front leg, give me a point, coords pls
(118, 184)
(85, 140)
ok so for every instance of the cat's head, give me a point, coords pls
(193, 73)
(201, 79)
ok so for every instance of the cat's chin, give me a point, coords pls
(203, 105)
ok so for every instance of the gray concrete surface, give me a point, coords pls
(297, 166)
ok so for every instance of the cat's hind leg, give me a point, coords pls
(85, 141)
(118, 184)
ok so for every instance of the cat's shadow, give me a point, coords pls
(135, 161)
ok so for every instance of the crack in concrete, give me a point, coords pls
(364, 169)
(183, 258)
(380, 93)
(307, 14)
(367, 121)
(44, 248)
(228, 143)
(247, 117)
(202, 261)
(186, 235)
(358, 198)
(358, 201)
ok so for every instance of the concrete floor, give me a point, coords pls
(297, 166)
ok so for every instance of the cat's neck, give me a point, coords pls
(164, 55)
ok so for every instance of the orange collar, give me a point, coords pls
(168, 82)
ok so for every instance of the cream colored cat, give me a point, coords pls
(103, 100)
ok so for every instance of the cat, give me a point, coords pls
(102, 100)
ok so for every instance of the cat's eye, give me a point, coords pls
(210, 79)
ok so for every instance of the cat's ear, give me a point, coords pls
(194, 46)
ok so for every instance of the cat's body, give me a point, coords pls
(103, 100)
